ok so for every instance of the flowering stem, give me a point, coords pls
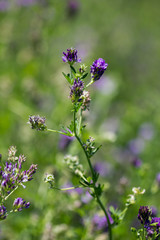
(93, 177)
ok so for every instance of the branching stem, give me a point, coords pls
(93, 174)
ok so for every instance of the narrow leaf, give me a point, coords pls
(67, 77)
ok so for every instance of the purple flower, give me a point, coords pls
(137, 145)
(27, 175)
(4, 5)
(146, 131)
(64, 142)
(153, 229)
(86, 198)
(144, 214)
(12, 175)
(154, 211)
(26, 2)
(19, 204)
(77, 90)
(100, 222)
(73, 7)
(102, 168)
(97, 69)
(71, 56)
(37, 123)
(158, 178)
(3, 212)
(156, 220)
(136, 162)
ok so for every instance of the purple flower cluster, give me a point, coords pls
(151, 224)
(19, 204)
(144, 214)
(37, 123)
(97, 69)
(154, 228)
(71, 56)
(12, 176)
(3, 212)
(76, 90)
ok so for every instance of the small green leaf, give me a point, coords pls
(67, 77)
(84, 76)
(73, 69)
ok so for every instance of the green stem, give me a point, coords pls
(90, 83)
(143, 237)
(66, 189)
(93, 176)
(107, 217)
(80, 122)
(56, 131)
(81, 143)
(10, 193)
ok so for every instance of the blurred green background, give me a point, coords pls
(124, 114)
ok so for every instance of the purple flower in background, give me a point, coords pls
(144, 214)
(136, 162)
(86, 198)
(154, 211)
(102, 168)
(4, 5)
(71, 56)
(137, 145)
(106, 86)
(100, 222)
(26, 2)
(19, 204)
(3, 212)
(64, 142)
(158, 178)
(97, 69)
(77, 90)
(73, 8)
(146, 131)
